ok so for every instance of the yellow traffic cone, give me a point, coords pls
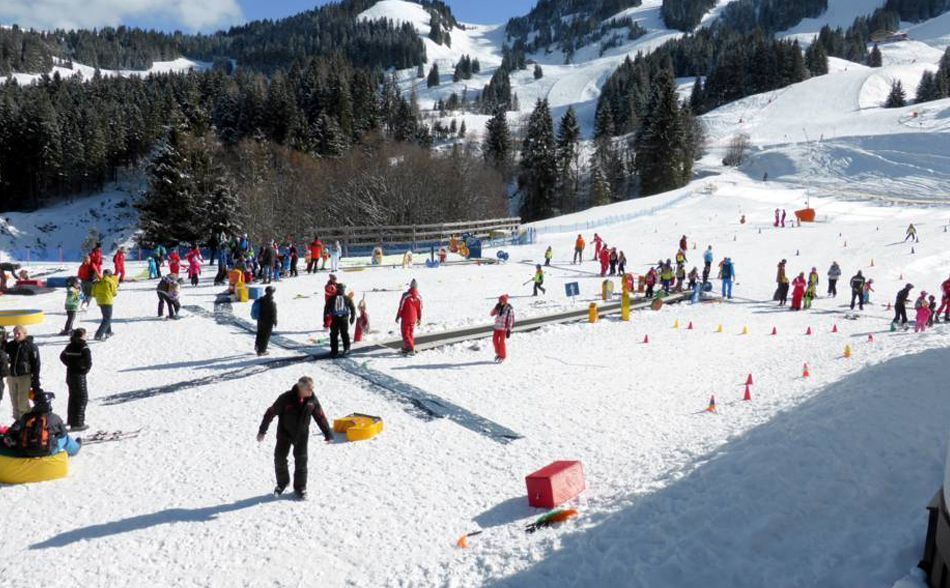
(745, 330)
(676, 324)
(719, 329)
(847, 351)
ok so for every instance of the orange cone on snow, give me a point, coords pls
(834, 329)
(774, 331)
(748, 394)
(712, 404)
(462, 543)
(748, 381)
(805, 373)
(808, 332)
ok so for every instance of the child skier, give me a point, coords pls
(409, 315)
(119, 260)
(548, 255)
(72, 304)
(604, 261)
(504, 321)
(931, 305)
(651, 282)
(798, 291)
(78, 361)
(538, 280)
(194, 265)
(923, 313)
(293, 410)
(362, 323)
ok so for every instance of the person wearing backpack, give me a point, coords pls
(40, 432)
(78, 361)
(266, 320)
(24, 370)
(293, 410)
(504, 321)
(342, 315)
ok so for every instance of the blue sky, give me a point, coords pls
(204, 15)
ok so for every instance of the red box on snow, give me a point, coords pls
(555, 484)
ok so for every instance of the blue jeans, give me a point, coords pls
(267, 274)
(105, 327)
(727, 288)
(67, 444)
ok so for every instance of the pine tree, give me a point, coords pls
(498, 141)
(167, 213)
(874, 57)
(599, 186)
(538, 178)
(568, 159)
(604, 122)
(897, 97)
(433, 80)
(420, 71)
(816, 59)
(462, 130)
(928, 89)
(697, 97)
(663, 159)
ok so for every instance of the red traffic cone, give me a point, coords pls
(748, 381)
(808, 332)
(870, 338)
(805, 373)
(748, 393)
(712, 404)
(774, 331)
(834, 329)
(646, 339)
(690, 326)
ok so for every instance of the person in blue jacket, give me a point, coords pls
(728, 276)
(707, 260)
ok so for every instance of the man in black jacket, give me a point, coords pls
(857, 290)
(266, 321)
(24, 370)
(294, 410)
(342, 314)
(900, 305)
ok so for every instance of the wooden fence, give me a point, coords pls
(416, 236)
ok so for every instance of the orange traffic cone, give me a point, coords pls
(462, 543)
(748, 393)
(774, 331)
(690, 326)
(808, 332)
(712, 404)
(748, 381)
(805, 373)
(646, 339)
(870, 338)
(834, 329)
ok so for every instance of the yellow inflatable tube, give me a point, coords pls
(17, 318)
(26, 470)
(358, 427)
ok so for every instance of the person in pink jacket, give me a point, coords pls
(504, 320)
(194, 265)
(923, 313)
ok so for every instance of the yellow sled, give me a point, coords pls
(358, 427)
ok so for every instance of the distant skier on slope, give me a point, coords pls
(834, 274)
(294, 409)
(911, 234)
(900, 304)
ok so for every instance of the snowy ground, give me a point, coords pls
(676, 496)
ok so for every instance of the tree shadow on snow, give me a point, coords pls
(138, 523)
(830, 493)
(198, 363)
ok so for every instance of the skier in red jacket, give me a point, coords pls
(504, 320)
(316, 252)
(119, 260)
(598, 246)
(410, 314)
(95, 258)
(798, 291)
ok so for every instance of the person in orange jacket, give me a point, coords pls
(578, 249)
(504, 321)
(410, 315)
(316, 252)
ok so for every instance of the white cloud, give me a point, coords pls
(86, 14)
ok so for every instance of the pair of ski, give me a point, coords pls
(109, 436)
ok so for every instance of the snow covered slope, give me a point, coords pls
(821, 481)
(86, 73)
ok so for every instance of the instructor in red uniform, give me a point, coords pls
(410, 314)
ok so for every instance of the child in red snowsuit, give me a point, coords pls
(410, 315)
(362, 323)
(504, 320)
(95, 258)
(604, 261)
(174, 262)
(194, 265)
(798, 291)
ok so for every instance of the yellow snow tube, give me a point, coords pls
(17, 318)
(26, 470)
(358, 427)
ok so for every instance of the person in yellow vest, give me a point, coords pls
(548, 256)
(105, 291)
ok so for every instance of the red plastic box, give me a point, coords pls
(555, 484)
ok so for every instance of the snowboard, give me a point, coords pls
(109, 436)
